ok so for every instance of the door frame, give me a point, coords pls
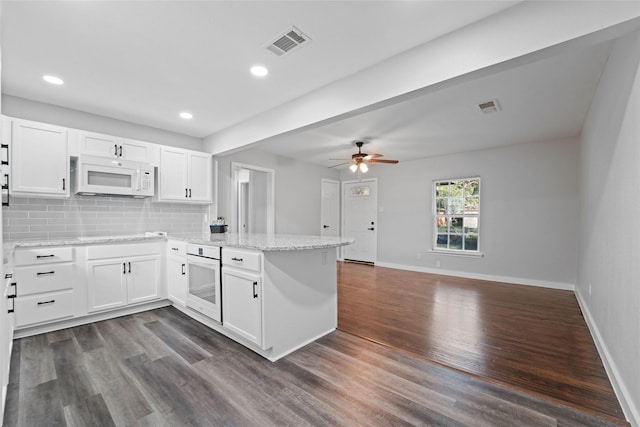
(342, 215)
(235, 190)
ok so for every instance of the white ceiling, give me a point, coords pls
(540, 101)
(145, 61)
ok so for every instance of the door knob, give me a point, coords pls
(370, 228)
(325, 226)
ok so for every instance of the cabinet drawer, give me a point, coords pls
(242, 259)
(43, 308)
(124, 250)
(43, 278)
(176, 247)
(42, 255)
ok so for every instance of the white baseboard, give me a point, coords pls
(631, 411)
(478, 276)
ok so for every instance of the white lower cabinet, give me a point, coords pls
(45, 281)
(114, 282)
(242, 302)
(118, 282)
(177, 283)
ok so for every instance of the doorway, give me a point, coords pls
(360, 219)
(253, 194)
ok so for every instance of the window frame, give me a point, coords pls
(435, 215)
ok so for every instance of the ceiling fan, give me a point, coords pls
(359, 160)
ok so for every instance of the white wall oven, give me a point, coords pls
(203, 263)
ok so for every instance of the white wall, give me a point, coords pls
(53, 114)
(529, 211)
(610, 221)
(297, 189)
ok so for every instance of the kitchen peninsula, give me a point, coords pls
(274, 293)
(279, 292)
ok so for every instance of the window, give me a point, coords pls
(457, 214)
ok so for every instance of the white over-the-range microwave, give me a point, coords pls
(103, 176)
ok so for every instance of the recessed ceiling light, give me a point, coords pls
(53, 80)
(186, 116)
(259, 70)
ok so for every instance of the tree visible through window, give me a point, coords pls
(457, 214)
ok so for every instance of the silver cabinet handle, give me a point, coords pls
(183, 271)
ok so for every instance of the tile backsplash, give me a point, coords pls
(86, 216)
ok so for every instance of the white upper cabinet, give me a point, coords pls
(96, 144)
(199, 172)
(184, 176)
(39, 160)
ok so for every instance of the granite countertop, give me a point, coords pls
(76, 241)
(264, 242)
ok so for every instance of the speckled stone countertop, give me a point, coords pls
(264, 242)
(84, 240)
(261, 242)
(10, 246)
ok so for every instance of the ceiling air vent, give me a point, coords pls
(489, 106)
(287, 41)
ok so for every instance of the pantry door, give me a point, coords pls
(360, 219)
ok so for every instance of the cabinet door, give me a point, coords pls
(177, 279)
(199, 177)
(40, 162)
(143, 279)
(172, 183)
(96, 144)
(242, 304)
(106, 286)
(137, 151)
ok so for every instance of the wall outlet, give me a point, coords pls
(438, 263)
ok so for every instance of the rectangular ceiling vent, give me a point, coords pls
(489, 106)
(288, 41)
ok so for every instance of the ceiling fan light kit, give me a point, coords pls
(359, 160)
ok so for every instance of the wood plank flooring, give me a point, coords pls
(161, 368)
(531, 338)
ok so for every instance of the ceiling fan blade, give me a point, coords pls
(339, 164)
(383, 161)
(373, 155)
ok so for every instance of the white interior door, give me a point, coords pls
(330, 205)
(360, 218)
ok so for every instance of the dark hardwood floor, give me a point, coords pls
(161, 368)
(526, 337)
